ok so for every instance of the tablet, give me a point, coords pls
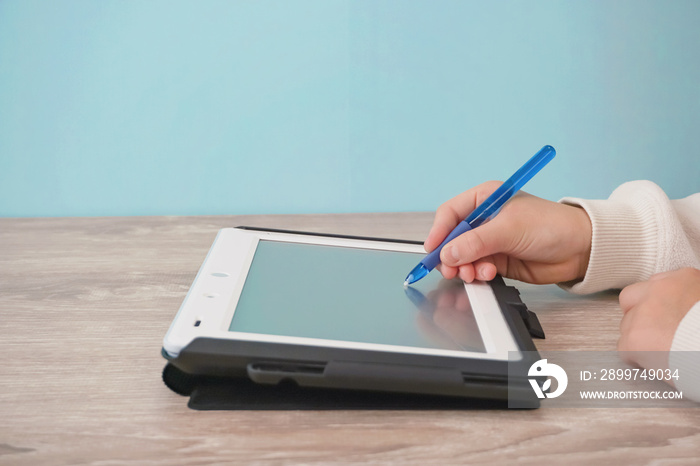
(332, 311)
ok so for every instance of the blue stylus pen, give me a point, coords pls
(486, 210)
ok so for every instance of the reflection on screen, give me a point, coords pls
(356, 295)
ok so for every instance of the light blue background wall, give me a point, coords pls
(233, 107)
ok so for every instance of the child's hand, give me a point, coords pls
(532, 239)
(653, 309)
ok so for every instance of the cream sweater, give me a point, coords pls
(637, 232)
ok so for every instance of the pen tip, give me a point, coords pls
(405, 284)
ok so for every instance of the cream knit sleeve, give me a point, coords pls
(637, 232)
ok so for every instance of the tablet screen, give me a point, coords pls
(354, 295)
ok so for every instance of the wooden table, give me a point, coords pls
(85, 303)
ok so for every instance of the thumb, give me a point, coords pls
(490, 238)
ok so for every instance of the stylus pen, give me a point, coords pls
(486, 210)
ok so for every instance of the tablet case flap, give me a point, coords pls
(238, 393)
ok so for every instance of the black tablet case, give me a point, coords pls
(225, 393)
(242, 393)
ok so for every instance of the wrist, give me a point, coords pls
(585, 237)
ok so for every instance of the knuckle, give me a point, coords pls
(624, 298)
(445, 212)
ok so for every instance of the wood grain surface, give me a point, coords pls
(85, 303)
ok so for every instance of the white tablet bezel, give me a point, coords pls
(208, 307)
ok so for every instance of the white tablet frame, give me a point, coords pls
(208, 307)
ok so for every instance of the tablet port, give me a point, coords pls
(288, 368)
(274, 372)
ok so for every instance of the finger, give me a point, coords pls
(449, 214)
(632, 294)
(490, 238)
(466, 273)
(485, 269)
(447, 272)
